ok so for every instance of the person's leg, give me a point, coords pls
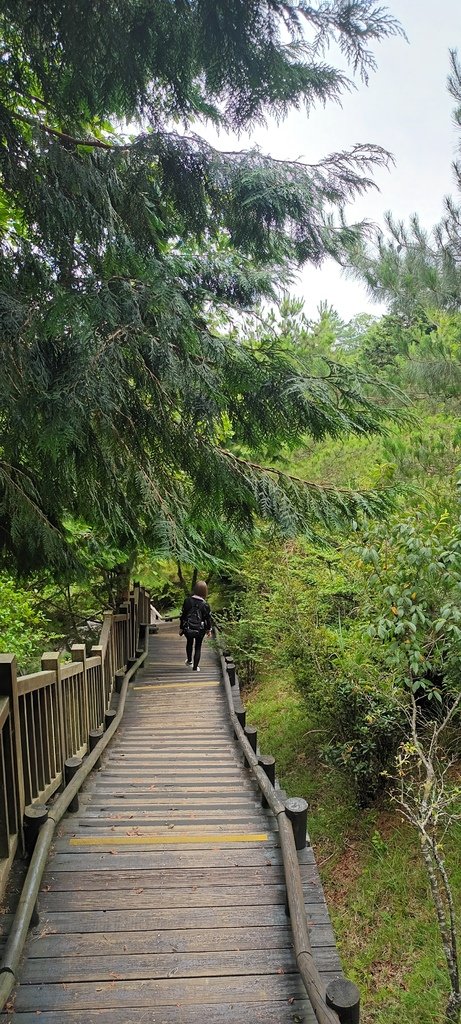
(198, 650)
(189, 643)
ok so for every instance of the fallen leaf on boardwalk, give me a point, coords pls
(138, 891)
(291, 999)
(281, 970)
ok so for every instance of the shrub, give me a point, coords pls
(23, 627)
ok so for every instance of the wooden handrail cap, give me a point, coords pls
(342, 994)
(266, 760)
(296, 805)
(73, 762)
(35, 812)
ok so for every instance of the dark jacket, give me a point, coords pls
(204, 608)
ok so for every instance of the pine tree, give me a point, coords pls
(413, 269)
(125, 252)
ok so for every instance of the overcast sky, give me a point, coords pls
(407, 110)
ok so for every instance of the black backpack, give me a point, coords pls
(194, 624)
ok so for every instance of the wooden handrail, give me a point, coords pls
(47, 717)
(34, 681)
(27, 903)
(314, 985)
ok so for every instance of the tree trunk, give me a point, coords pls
(122, 574)
(182, 580)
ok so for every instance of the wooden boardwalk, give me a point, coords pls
(163, 898)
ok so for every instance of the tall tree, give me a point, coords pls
(124, 249)
(409, 267)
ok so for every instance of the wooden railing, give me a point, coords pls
(50, 716)
(339, 1001)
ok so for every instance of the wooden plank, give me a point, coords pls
(272, 1012)
(63, 845)
(177, 818)
(164, 878)
(161, 992)
(189, 940)
(96, 803)
(141, 898)
(35, 681)
(74, 858)
(175, 918)
(211, 964)
(104, 790)
(166, 837)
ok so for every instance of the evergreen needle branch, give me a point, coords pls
(258, 468)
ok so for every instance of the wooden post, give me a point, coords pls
(344, 997)
(71, 767)
(130, 663)
(34, 817)
(106, 636)
(119, 677)
(132, 624)
(94, 737)
(109, 718)
(9, 689)
(296, 811)
(51, 663)
(241, 715)
(98, 652)
(124, 609)
(267, 763)
(78, 652)
(252, 736)
(231, 672)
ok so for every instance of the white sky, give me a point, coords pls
(407, 110)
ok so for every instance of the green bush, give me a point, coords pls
(367, 726)
(24, 630)
(300, 608)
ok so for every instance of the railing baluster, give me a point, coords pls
(4, 805)
(53, 715)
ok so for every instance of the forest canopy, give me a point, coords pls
(129, 246)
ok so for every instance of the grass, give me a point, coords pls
(371, 868)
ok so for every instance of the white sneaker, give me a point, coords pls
(188, 662)
(197, 669)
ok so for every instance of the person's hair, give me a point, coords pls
(201, 589)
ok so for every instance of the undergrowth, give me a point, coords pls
(369, 861)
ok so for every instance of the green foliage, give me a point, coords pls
(24, 629)
(413, 601)
(371, 869)
(367, 724)
(362, 619)
(126, 395)
(299, 609)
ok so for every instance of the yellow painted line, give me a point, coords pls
(179, 685)
(245, 837)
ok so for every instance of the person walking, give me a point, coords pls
(195, 622)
